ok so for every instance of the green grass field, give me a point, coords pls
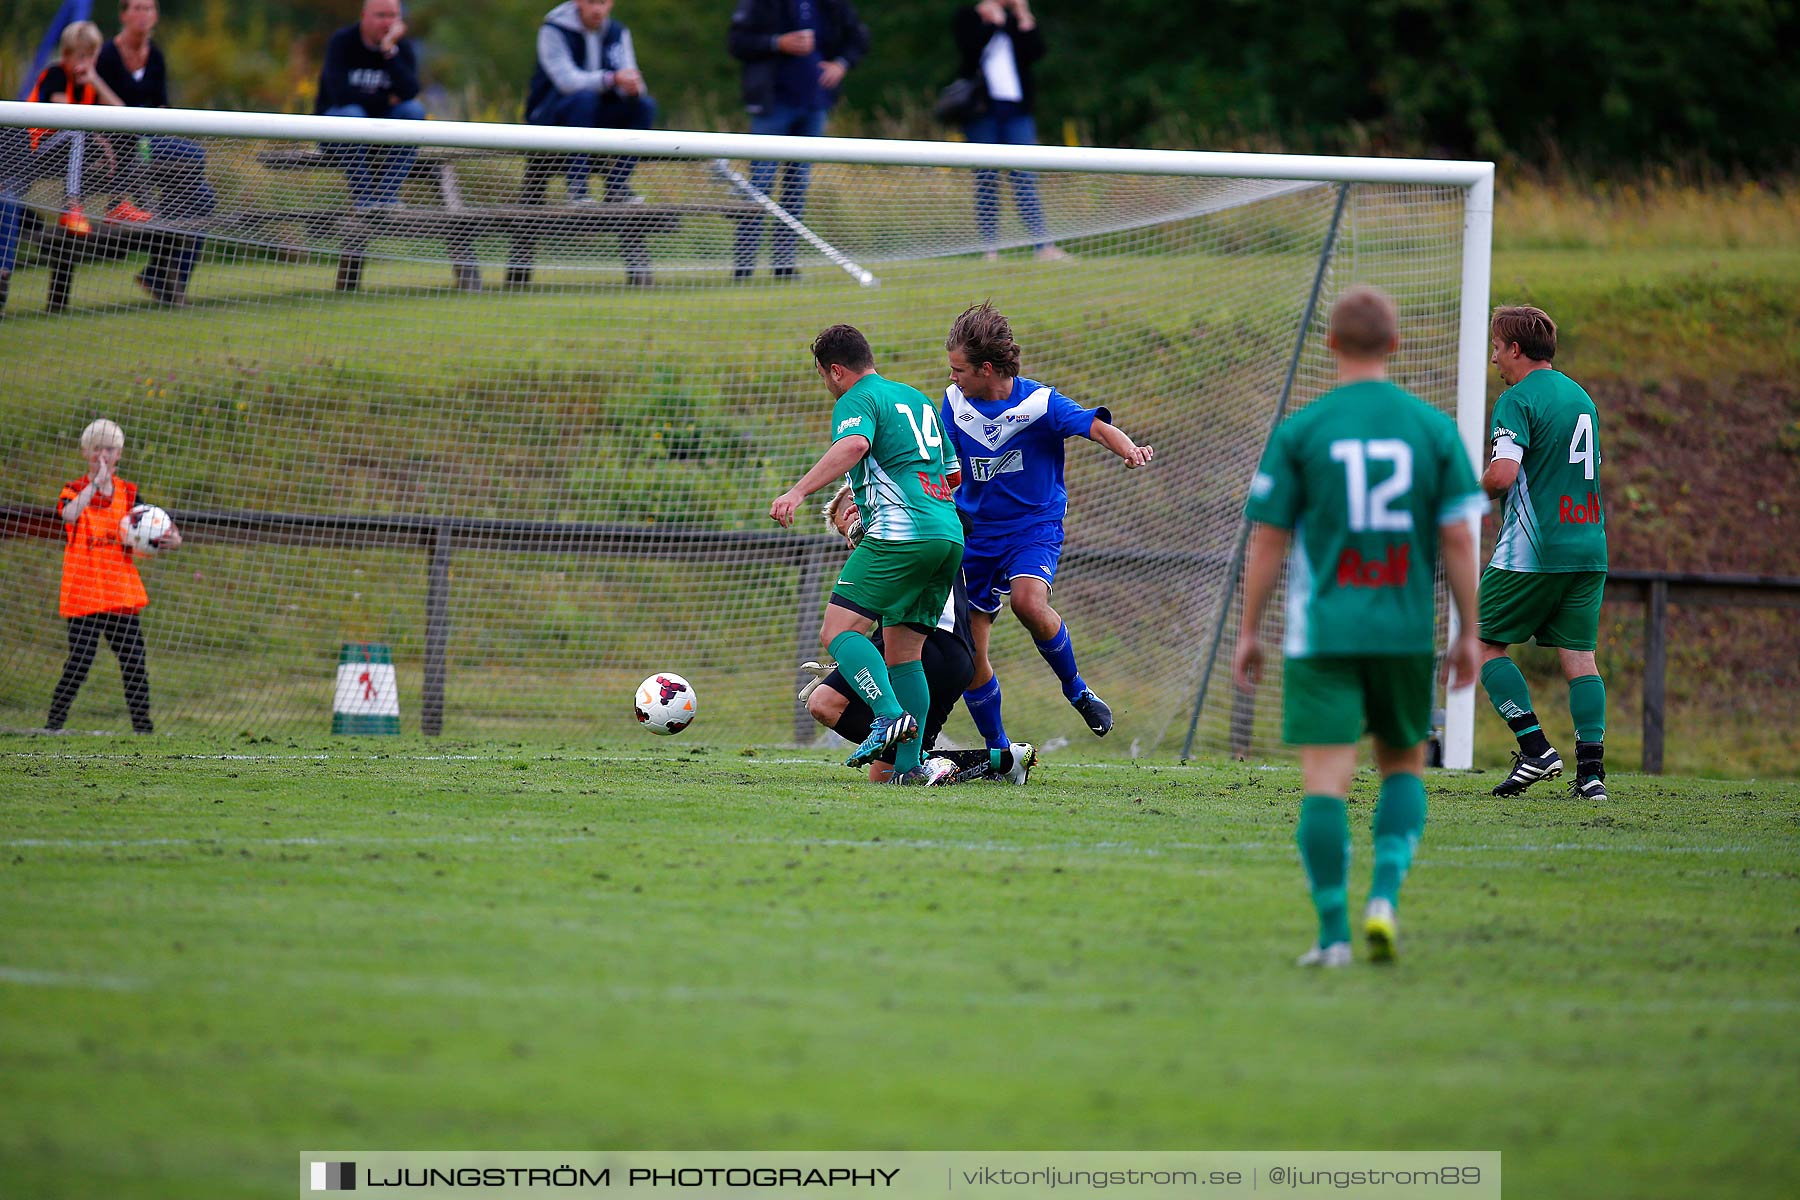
(209, 961)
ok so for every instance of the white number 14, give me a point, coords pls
(925, 435)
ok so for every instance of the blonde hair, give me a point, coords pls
(102, 435)
(836, 504)
(81, 37)
(834, 508)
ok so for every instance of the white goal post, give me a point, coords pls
(895, 207)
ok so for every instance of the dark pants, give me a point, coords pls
(180, 165)
(374, 173)
(596, 110)
(780, 120)
(1006, 124)
(125, 635)
(12, 216)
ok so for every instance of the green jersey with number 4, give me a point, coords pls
(1364, 476)
(899, 484)
(1553, 520)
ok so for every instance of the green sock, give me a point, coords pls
(861, 664)
(1399, 820)
(1506, 690)
(1587, 704)
(914, 695)
(1324, 840)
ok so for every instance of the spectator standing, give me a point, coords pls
(102, 593)
(998, 42)
(132, 66)
(587, 77)
(795, 55)
(371, 70)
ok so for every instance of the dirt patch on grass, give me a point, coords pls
(1702, 477)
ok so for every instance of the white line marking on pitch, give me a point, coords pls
(1155, 849)
(26, 977)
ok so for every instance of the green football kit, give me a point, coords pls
(1364, 477)
(906, 565)
(1548, 573)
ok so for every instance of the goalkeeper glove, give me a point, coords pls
(818, 671)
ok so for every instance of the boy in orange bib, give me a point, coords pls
(101, 593)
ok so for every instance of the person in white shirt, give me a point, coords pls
(998, 42)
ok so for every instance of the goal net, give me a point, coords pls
(507, 419)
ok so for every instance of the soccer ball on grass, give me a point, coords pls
(666, 703)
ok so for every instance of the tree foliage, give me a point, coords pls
(1598, 82)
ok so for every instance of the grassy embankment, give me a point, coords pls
(1678, 312)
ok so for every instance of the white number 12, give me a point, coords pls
(1369, 506)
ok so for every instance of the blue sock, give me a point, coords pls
(1059, 652)
(983, 704)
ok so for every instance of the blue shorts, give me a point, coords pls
(990, 565)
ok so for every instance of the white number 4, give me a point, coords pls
(925, 435)
(1369, 506)
(1581, 446)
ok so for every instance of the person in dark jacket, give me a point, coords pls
(132, 66)
(795, 55)
(998, 42)
(371, 71)
(587, 77)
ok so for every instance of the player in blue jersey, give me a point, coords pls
(1008, 432)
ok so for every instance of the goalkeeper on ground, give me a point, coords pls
(948, 659)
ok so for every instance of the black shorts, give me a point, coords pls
(948, 669)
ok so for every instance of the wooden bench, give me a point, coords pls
(525, 222)
(458, 222)
(167, 242)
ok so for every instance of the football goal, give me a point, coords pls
(477, 425)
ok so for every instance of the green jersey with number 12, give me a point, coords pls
(1364, 476)
(899, 484)
(1554, 520)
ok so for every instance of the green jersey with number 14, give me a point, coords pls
(899, 484)
(1364, 476)
(1554, 520)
